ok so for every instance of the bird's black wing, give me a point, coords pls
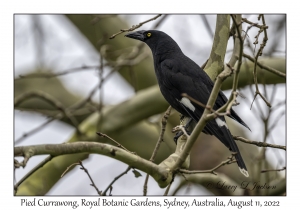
(178, 81)
(177, 78)
(174, 80)
(221, 99)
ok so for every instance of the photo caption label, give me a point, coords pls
(164, 203)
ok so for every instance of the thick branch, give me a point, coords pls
(160, 174)
(216, 59)
(124, 116)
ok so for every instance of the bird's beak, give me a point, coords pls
(139, 35)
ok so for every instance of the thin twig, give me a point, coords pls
(87, 172)
(276, 120)
(258, 143)
(269, 170)
(262, 66)
(115, 179)
(259, 53)
(161, 20)
(64, 72)
(209, 30)
(168, 188)
(101, 92)
(86, 100)
(279, 104)
(229, 160)
(254, 24)
(134, 27)
(40, 127)
(41, 164)
(68, 168)
(164, 120)
(118, 144)
(145, 187)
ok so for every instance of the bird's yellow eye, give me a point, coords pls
(148, 34)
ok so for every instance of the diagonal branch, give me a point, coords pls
(106, 136)
(262, 66)
(48, 98)
(160, 140)
(62, 73)
(115, 179)
(41, 164)
(86, 171)
(40, 127)
(134, 26)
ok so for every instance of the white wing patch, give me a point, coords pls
(186, 102)
(221, 123)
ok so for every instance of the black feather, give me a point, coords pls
(177, 74)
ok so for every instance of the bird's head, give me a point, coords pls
(155, 40)
(147, 36)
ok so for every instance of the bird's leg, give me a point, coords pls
(180, 133)
(187, 125)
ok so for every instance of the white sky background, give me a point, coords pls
(64, 49)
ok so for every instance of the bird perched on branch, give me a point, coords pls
(178, 74)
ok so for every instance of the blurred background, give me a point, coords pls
(72, 60)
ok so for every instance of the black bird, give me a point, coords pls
(177, 74)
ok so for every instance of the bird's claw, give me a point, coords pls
(180, 130)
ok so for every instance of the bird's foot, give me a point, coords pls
(180, 130)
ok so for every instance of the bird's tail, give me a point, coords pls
(240, 162)
(227, 140)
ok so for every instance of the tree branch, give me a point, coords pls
(259, 53)
(258, 143)
(212, 171)
(115, 179)
(269, 170)
(159, 173)
(134, 27)
(164, 120)
(262, 66)
(215, 62)
(48, 98)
